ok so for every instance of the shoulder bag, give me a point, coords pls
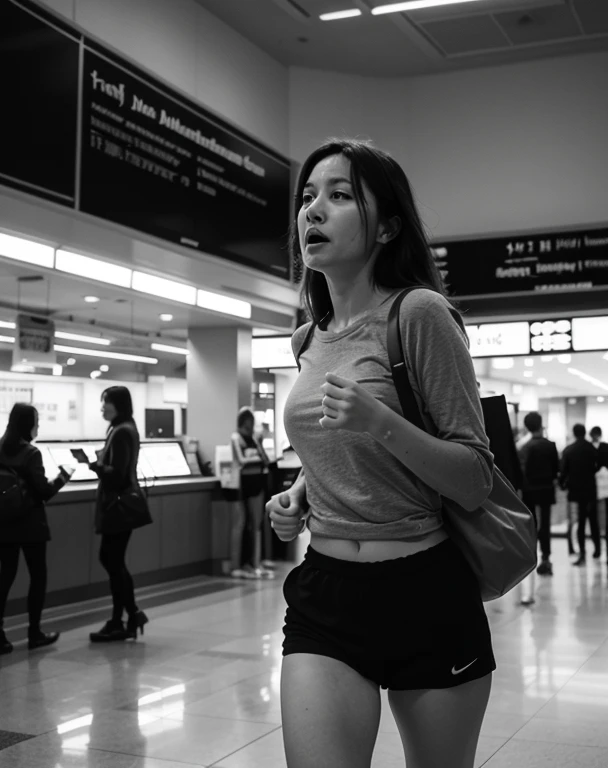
(499, 538)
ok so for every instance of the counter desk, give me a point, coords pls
(190, 535)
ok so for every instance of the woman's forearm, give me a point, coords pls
(452, 469)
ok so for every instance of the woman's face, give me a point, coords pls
(246, 428)
(35, 428)
(108, 411)
(330, 229)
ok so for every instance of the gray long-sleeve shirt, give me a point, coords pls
(355, 487)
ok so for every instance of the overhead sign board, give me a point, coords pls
(145, 156)
(34, 342)
(516, 266)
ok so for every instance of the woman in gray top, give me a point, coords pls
(383, 599)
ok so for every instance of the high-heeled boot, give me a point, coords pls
(135, 622)
(111, 632)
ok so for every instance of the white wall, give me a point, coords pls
(196, 52)
(492, 150)
(59, 420)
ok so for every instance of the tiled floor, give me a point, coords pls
(202, 687)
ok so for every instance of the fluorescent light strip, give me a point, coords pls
(165, 289)
(7, 339)
(349, 14)
(93, 269)
(4, 324)
(86, 339)
(586, 377)
(169, 348)
(104, 354)
(218, 303)
(20, 249)
(415, 5)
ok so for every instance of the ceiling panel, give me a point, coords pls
(593, 16)
(468, 35)
(540, 26)
(420, 42)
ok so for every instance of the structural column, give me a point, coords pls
(219, 379)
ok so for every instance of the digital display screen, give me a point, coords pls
(164, 459)
(546, 263)
(39, 96)
(156, 460)
(157, 162)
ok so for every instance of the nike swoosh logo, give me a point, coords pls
(458, 671)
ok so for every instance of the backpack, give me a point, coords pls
(12, 495)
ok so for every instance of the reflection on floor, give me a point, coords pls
(202, 687)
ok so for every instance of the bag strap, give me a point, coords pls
(396, 359)
(304, 345)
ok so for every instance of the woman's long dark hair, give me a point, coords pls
(407, 259)
(120, 398)
(21, 423)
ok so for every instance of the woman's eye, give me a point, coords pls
(306, 199)
(341, 195)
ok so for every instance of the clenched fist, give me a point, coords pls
(287, 515)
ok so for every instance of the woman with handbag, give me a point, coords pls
(120, 508)
(384, 598)
(27, 529)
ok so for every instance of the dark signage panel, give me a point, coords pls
(156, 162)
(564, 262)
(39, 103)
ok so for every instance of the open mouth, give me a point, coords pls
(316, 238)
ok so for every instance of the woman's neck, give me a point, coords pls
(350, 302)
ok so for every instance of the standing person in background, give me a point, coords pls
(602, 475)
(540, 467)
(116, 467)
(30, 530)
(577, 475)
(250, 456)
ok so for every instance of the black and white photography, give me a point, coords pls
(303, 384)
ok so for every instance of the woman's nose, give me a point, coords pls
(316, 210)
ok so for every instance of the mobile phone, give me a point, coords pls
(79, 455)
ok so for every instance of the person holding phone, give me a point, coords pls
(29, 531)
(116, 467)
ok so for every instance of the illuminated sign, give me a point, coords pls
(272, 352)
(498, 339)
(551, 336)
(589, 333)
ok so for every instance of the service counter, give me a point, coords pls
(190, 535)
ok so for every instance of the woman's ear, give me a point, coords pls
(389, 230)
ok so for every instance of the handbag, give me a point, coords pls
(498, 539)
(125, 511)
(12, 495)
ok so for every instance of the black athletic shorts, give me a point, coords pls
(412, 623)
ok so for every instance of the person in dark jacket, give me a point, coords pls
(30, 532)
(116, 467)
(540, 467)
(595, 433)
(577, 476)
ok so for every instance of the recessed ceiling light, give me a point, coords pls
(79, 337)
(104, 368)
(528, 374)
(541, 382)
(5, 324)
(104, 353)
(528, 362)
(166, 318)
(71, 361)
(415, 5)
(169, 348)
(91, 299)
(57, 370)
(7, 339)
(95, 374)
(335, 15)
(601, 399)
